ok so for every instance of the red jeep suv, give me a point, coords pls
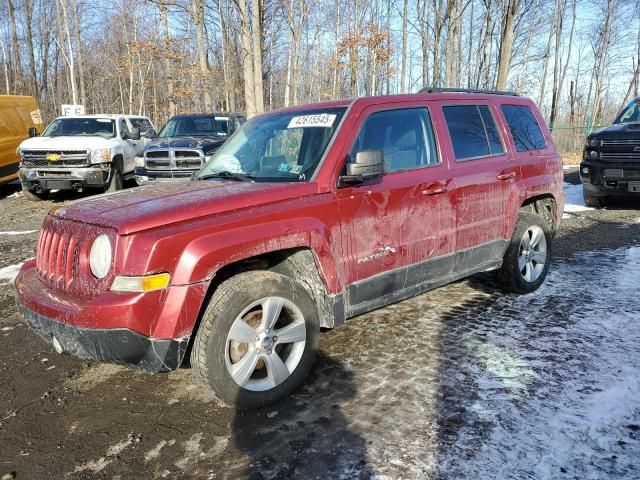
(307, 216)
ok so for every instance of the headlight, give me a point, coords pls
(100, 256)
(593, 154)
(207, 158)
(100, 155)
(594, 142)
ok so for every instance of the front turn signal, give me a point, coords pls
(147, 283)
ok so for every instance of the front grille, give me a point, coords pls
(153, 163)
(56, 257)
(626, 173)
(620, 156)
(622, 141)
(173, 158)
(67, 158)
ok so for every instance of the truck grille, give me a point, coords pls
(620, 156)
(173, 159)
(56, 257)
(65, 158)
(623, 141)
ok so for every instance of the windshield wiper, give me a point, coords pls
(239, 177)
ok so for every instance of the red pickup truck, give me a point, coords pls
(306, 217)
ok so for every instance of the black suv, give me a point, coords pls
(611, 162)
(183, 145)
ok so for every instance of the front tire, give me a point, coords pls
(595, 202)
(34, 196)
(115, 182)
(526, 261)
(257, 339)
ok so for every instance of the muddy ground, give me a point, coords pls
(462, 382)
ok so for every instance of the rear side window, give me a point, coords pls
(405, 137)
(524, 127)
(473, 131)
(141, 123)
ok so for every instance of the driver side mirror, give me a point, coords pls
(133, 134)
(367, 165)
(151, 133)
(33, 132)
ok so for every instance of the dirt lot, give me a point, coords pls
(462, 382)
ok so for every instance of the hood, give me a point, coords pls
(143, 208)
(65, 143)
(206, 144)
(618, 130)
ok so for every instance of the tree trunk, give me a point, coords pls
(198, 17)
(403, 65)
(258, 50)
(247, 60)
(78, 42)
(168, 73)
(28, 12)
(506, 43)
(15, 48)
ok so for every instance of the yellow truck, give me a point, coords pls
(19, 119)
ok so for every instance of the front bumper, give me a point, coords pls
(118, 345)
(146, 177)
(61, 178)
(619, 179)
(146, 331)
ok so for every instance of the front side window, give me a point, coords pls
(405, 137)
(630, 113)
(473, 131)
(283, 147)
(141, 124)
(524, 128)
(196, 127)
(94, 127)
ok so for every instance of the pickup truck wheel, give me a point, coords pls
(526, 262)
(257, 339)
(595, 202)
(33, 195)
(115, 182)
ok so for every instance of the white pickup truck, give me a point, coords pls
(83, 152)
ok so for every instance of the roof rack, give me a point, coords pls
(466, 90)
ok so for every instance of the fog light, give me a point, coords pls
(147, 283)
(585, 170)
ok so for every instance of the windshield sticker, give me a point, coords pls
(284, 167)
(296, 169)
(323, 120)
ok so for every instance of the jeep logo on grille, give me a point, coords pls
(53, 157)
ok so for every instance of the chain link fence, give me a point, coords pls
(569, 139)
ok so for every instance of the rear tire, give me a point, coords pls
(595, 202)
(256, 323)
(34, 196)
(526, 261)
(115, 182)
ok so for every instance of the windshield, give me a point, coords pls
(196, 127)
(630, 114)
(96, 127)
(285, 147)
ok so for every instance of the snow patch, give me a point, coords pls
(24, 232)
(10, 273)
(573, 200)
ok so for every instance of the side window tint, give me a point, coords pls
(495, 144)
(405, 137)
(467, 132)
(524, 128)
